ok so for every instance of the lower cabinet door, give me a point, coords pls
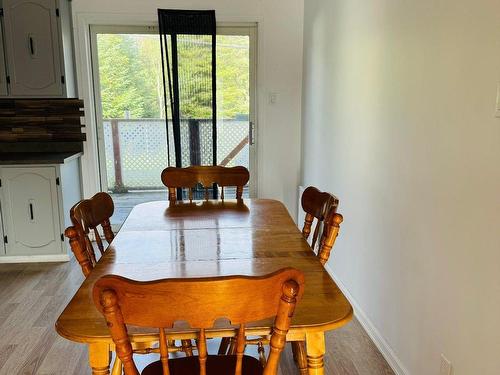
(31, 211)
(2, 244)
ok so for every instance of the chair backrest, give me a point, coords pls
(199, 302)
(189, 177)
(316, 204)
(87, 215)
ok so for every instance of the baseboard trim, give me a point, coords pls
(34, 258)
(370, 329)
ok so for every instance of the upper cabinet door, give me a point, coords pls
(3, 74)
(32, 47)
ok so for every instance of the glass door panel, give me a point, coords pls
(133, 142)
(132, 137)
(236, 100)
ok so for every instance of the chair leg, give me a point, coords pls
(187, 347)
(224, 345)
(262, 355)
(299, 350)
(294, 351)
(232, 347)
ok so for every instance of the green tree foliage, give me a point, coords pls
(195, 75)
(233, 76)
(122, 78)
(131, 76)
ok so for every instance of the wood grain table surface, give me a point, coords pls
(210, 238)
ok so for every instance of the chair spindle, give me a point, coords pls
(90, 251)
(262, 354)
(98, 240)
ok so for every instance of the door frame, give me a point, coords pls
(223, 28)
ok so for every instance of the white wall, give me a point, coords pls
(279, 70)
(398, 120)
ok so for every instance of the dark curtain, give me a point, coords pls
(188, 46)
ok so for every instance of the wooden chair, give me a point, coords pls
(200, 302)
(174, 178)
(316, 204)
(86, 216)
(321, 206)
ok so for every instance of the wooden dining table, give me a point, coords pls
(209, 238)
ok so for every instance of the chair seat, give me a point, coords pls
(216, 365)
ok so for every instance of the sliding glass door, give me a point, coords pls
(134, 141)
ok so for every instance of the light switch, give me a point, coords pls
(273, 97)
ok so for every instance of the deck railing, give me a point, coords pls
(136, 149)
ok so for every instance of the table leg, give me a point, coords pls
(99, 358)
(117, 367)
(315, 346)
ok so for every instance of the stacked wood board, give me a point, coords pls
(41, 124)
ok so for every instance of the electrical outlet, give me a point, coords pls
(445, 366)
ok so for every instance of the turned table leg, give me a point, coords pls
(315, 347)
(117, 367)
(99, 358)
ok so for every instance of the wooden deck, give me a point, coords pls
(124, 202)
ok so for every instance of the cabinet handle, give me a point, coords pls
(32, 47)
(250, 133)
(31, 212)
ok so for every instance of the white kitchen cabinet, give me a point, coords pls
(3, 72)
(35, 202)
(2, 244)
(31, 211)
(38, 48)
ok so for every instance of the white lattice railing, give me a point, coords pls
(136, 149)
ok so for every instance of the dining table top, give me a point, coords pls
(252, 237)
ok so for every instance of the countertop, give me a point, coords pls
(12, 158)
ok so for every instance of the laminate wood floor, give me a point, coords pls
(33, 295)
